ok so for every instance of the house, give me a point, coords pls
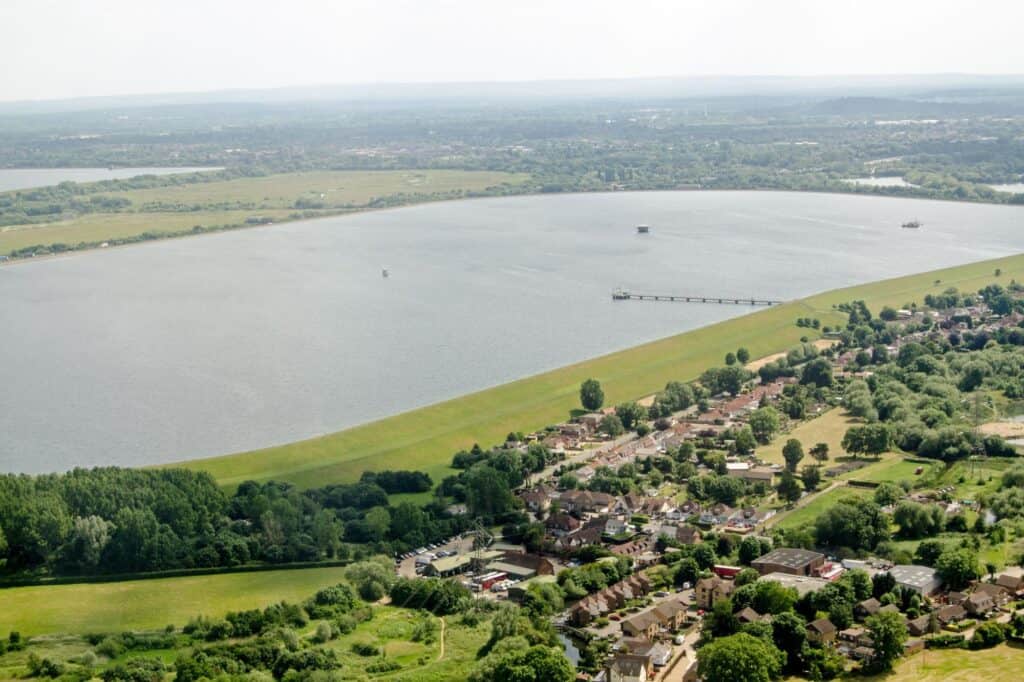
(688, 535)
(998, 594)
(1012, 584)
(581, 538)
(748, 615)
(951, 613)
(561, 524)
(856, 635)
(659, 652)
(614, 526)
(821, 631)
(655, 506)
(979, 604)
(672, 614)
(537, 499)
(921, 625)
(710, 590)
(715, 515)
(789, 560)
(627, 504)
(868, 607)
(644, 624)
(629, 668)
(921, 579)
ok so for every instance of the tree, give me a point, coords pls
(537, 664)
(871, 439)
(371, 578)
(792, 452)
(888, 493)
(818, 373)
(917, 520)
(857, 524)
(789, 632)
(687, 571)
(730, 358)
(612, 426)
(631, 414)
(820, 452)
(750, 549)
(859, 581)
(739, 657)
(743, 355)
(591, 395)
(788, 487)
(882, 583)
(928, 552)
(811, 476)
(745, 441)
(487, 491)
(888, 633)
(764, 423)
(957, 566)
(89, 537)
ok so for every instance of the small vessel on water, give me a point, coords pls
(643, 229)
(912, 224)
(384, 273)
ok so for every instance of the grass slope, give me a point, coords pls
(1000, 664)
(152, 604)
(425, 439)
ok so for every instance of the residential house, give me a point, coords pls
(979, 604)
(538, 499)
(921, 625)
(710, 590)
(644, 624)
(868, 607)
(821, 631)
(672, 614)
(748, 615)
(688, 535)
(998, 594)
(1012, 584)
(629, 668)
(715, 515)
(614, 526)
(561, 524)
(951, 613)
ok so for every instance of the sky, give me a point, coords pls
(54, 49)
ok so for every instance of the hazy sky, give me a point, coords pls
(71, 48)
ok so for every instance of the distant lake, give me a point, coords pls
(27, 178)
(888, 181)
(1017, 188)
(226, 342)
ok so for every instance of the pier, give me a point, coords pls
(623, 295)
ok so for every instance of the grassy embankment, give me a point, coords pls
(178, 208)
(151, 604)
(425, 439)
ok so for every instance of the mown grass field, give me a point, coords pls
(1003, 663)
(829, 427)
(151, 604)
(813, 509)
(231, 202)
(426, 438)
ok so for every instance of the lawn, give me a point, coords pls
(829, 428)
(893, 469)
(150, 604)
(1000, 664)
(426, 438)
(178, 208)
(813, 509)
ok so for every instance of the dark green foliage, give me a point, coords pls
(441, 597)
(591, 395)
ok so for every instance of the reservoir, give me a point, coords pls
(232, 341)
(26, 178)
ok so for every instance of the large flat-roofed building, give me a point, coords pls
(921, 579)
(789, 560)
(802, 584)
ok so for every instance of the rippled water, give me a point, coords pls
(193, 347)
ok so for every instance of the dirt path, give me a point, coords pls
(440, 654)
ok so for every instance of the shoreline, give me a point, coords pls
(425, 438)
(11, 261)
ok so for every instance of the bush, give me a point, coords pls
(365, 649)
(111, 647)
(945, 642)
(383, 666)
(988, 635)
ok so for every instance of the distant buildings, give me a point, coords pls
(790, 561)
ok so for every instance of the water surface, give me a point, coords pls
(214, 344)
(27, 178)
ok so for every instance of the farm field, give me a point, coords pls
(176, 209)
(151, 604)
(426, 438)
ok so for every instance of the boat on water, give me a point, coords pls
(643, 229)
(912, 224)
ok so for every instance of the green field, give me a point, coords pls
(151, 604)
(178, 208)
(425, 439)
(829, 428)
(813, 509)
(1000, 664)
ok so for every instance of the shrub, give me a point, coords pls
(383, 666)
(988, 635)
(365, 649)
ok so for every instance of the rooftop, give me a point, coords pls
(789, 557)
(800, 583)
(920, 577)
